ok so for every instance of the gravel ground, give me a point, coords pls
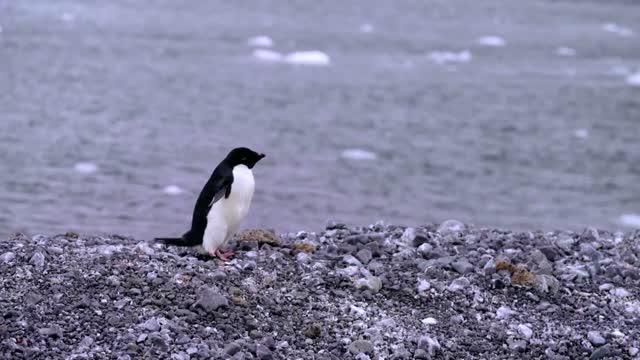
(446, 291)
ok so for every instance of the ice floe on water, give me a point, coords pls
(634, 79)
(617, 29)
(444, 57)
(312, 58)
(260, 41)
(630, 220)
(358, 154)
(85, 167)
(565, 51)
(67, 17)
(581, 133)
(491, 40)
(366, 28)
(267, 55)
(172, 190)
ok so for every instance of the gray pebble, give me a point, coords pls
(364, 255)
(263, 352)
(53, 331)
(232, 348)
(37, 259)
(462, 266)
(459, 284)
(596, 338)
(151, 325)
(210, 299)
(431, 345)
(361, 346)
(7, 257)
(602, 352)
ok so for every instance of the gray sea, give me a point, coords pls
(513, 114)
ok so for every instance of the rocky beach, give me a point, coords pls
(440, 291)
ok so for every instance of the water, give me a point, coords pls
(150, 96)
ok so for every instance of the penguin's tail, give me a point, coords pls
(181, 241)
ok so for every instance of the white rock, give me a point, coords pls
(303, 258)
(85, 167)
(145, 248)
(617, 333)
(617, 29)
(565, 51)
(311, 58)
(7, 257)
(423, 285)
(444, 57)
(267, 55)
(37, 259)
(491, 40)
(358, 154)
(357, 311)
(504, 312)
(172, 190)
(429, 321)
(596, 338)
(459, 284)
(450, 226)
(634, 79)
(633, 351)
(260, 41)
(525, 331)
(620, 292)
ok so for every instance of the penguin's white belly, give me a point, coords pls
(226, 214)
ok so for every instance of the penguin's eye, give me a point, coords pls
(244, 159)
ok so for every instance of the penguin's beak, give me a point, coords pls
(261, 155)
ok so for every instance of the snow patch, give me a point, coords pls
(310, 58)
(267, 55)
(444, 57)
(85, 167)
(358, 154)
(630, 220)
(491, 40)
(260, 41)
(617, 29)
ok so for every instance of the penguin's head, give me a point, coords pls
(243, 156)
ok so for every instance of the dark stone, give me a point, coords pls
(263, 353)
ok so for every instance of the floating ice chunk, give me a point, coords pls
(267, 55)
(581, 133)
(260, 41)
(617, 29)
(358, 154)
(85, 167)
(366, 28)
(634, 79)
(172, 190)
(565, 51)
(630, 220)
(491, 40)
(312, 57)
(443, 57)
(67, 17)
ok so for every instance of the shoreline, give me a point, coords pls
(376, 292)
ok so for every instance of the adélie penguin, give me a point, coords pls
(222, 205)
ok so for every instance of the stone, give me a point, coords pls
(7, 257)
(450, 226)
(602, 352)
(431, 345)
(263, 352)
(459, 284)
(596, 338)
(53, 331)
(364, 255)
(540, 263)
(620, 292)
(546, 284)
(517, 345)
(151, 325)
(210, 300)
(462, 266)
(429, 321)
(313, 331)
(361, 346)
(423, 285)
(37, 259)
(420, 354)
(525, 331)
(504, 312)
(372, 283)
(425, 250)
(232, 348)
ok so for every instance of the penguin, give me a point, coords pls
(222, 204)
